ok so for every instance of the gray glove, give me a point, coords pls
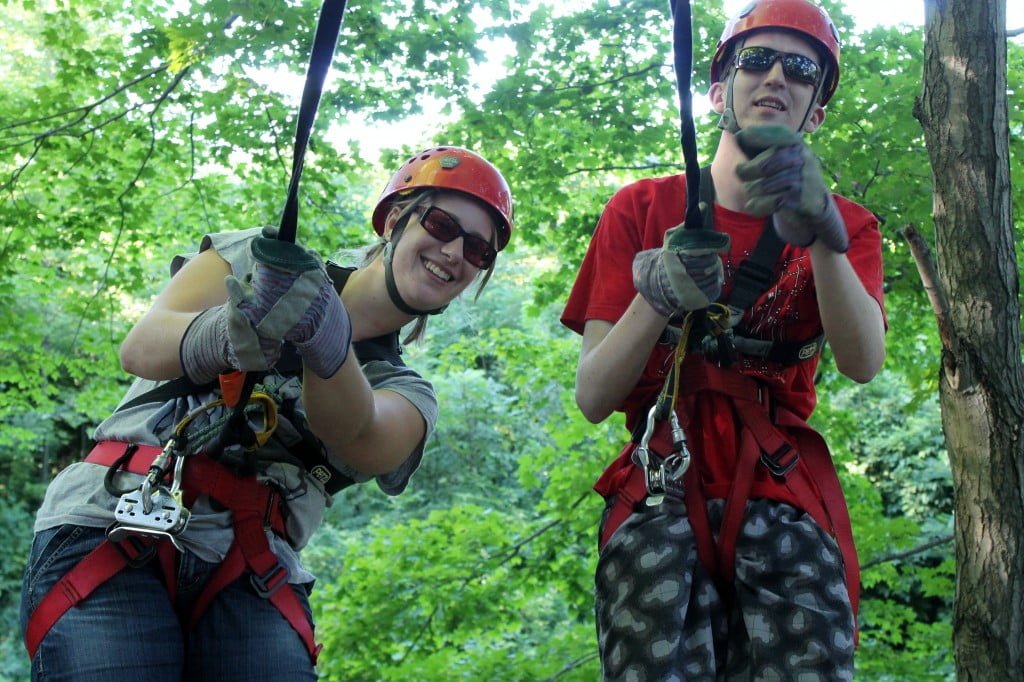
(684, 274)
(291, 297)
(288, 297)
(784, 179)
(220, 339)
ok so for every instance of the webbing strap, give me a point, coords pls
(814, 481)
(269, 577)
(754, 274)
(96, 568)
(255, 510)
(328, 26)
(682, 41)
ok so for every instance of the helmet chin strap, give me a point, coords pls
(728, 121)
(389, 277)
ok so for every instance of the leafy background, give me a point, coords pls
(129, 130)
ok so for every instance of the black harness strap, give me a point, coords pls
(328, 27)
(753, 277)
(682, 42)
(386, 347)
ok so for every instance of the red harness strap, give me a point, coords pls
(255, 509)
(91, 572)
(812, 477)
(624, 484)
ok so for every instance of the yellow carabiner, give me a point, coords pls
(269, 417)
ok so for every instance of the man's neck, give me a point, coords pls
(728, 188)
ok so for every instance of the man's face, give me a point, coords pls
(772, 96)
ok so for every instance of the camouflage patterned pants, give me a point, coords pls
(661, 618)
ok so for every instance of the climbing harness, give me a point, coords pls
(255, 509)
(217, 460)
(157, 511)
(656, 467)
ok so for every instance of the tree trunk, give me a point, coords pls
(963, 109)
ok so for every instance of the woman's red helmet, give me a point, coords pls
(801, 16)
(451, 168)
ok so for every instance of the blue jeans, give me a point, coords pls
(127, 629)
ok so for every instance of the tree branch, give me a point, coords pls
(933, 287)
(83, 110)
(130, 186)
(899, 556)
(647, 166)
(572, 665)
(589, 87)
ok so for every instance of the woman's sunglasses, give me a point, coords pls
(795, 66)
(443, 227)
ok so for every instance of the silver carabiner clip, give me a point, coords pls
(679, 445)
(152, 510)
(663, 476)
(643, 449)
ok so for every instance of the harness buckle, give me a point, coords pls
(271, 581)
(136, 549)
(780, 462)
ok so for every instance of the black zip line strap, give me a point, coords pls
(327, 29)
(332, 12)
(682, 41)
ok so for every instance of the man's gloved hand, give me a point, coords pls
(684, 274)
(784, 178)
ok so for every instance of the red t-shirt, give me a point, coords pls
(635, 219)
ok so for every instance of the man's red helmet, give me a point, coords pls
(801, 16)
(451, 168)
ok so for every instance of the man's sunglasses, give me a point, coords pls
(795, 66)
(443, 227)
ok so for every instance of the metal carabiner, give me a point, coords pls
(152, 510)
(643, 449)
(179, 467)
(154, 475)
(663, 476)
(679, 445)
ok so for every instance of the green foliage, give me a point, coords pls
(16, 516)
(128, 132)
(899, 489)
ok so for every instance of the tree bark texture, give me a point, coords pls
(963, 109)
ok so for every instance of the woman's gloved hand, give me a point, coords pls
(291, 297)
(288, 297)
